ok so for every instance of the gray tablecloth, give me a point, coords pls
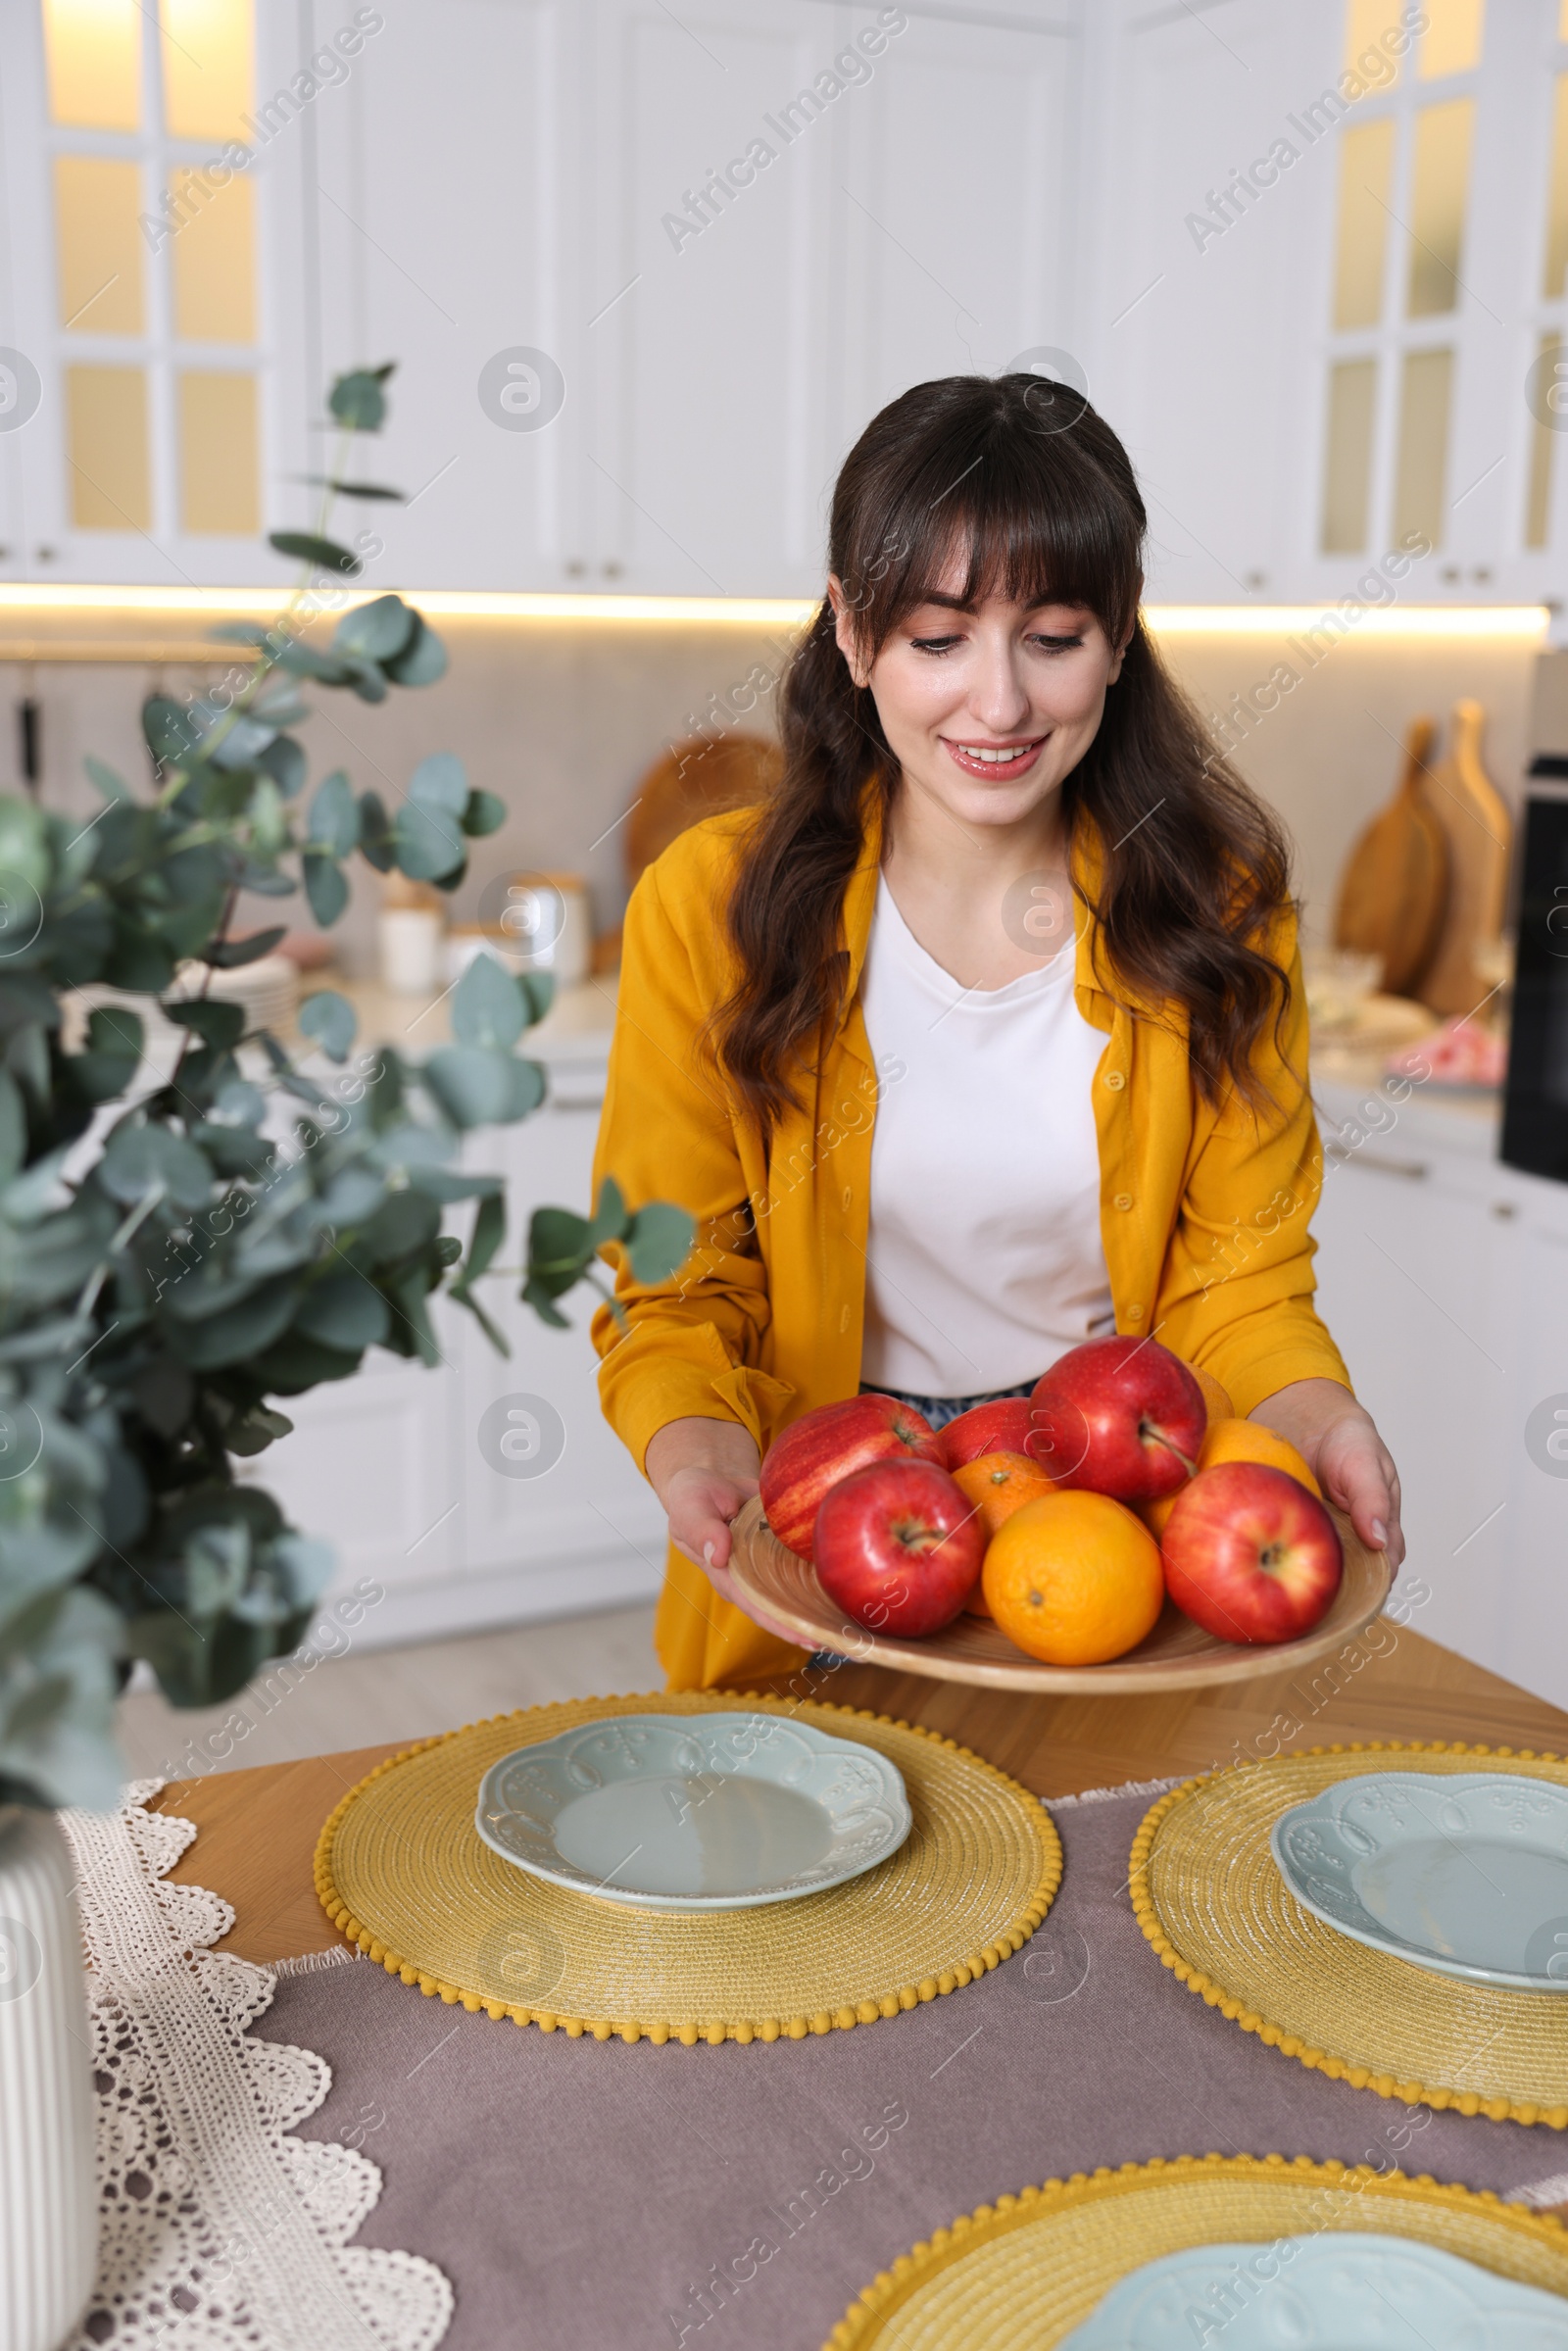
(607, 2198)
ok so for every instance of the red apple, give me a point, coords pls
(821, 1446)
(1000, 1427)
(1250, 1554)
(899, 1547)
(1118, 1416)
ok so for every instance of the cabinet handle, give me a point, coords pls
(1414, 1171)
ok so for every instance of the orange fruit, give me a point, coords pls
(1073, 1579)
(998, 1484)
(1219, 1404)
(1233, 1439)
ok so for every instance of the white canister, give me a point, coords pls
(547, 921)
(409, 943)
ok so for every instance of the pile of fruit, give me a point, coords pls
(1066, 1516)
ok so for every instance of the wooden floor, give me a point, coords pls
(370, 1697)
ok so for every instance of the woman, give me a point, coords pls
(986, 1034)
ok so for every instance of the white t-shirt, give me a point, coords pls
(984, 1253)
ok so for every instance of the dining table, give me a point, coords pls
(583, 2193)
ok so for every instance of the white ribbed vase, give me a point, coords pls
(48, 2179)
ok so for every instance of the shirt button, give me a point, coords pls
(1115, 1080)
(1135, 1314)
(1123, 1199)
(843, 1318)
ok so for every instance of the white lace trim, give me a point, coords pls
(1109, 1795)
(220, 2232)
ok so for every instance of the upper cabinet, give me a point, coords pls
(148, 403)
(646, 272)
(1334, 244)
(797, 212)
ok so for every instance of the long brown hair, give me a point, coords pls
(1025, 477)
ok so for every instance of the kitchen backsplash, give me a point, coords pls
(561, 719)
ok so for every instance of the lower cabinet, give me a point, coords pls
(1446, 1284)
(486, 1491)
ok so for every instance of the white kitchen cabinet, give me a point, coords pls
(1443, 1276)
(1537, 1516)
(1413, 1282)
(389, 1468)
(897, 217)
(447, 218)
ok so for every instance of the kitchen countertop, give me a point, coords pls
(577, 1028)
(1353, 1090)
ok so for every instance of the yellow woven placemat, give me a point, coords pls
(401, 1870)
(1020, 2275)
(1210, 1898)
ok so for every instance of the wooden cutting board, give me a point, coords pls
(1393, 891)
(1480, 831)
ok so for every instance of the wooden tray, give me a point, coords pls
(783, 1593)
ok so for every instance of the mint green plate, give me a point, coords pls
(1464, 1874)
(695, 1812)
(1354, 2293)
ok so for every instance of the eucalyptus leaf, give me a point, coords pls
(439, 783)
(611, 1217)
(323, 553)
(231, 955)
(538, 990)
(335, 818)
(302, 660)
(426, 843)
(238, 1331)
(422, 660)
(358, 401)
(325, 886)
(476, 1087)
(489, 1232)
(172, 737)
(13, 1127)
(331, 1021)
(486, 1006)
(142, 1159)
(483, 813)
(283, 759)
(111, 785)
(356, 489)
(367, 681)
(344, 1311)
(659, 1242)
(377, 631)
(216, 1022)
(376, 845)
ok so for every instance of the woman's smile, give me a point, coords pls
(997, 761)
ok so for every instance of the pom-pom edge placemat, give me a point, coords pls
(1038, 1874)
(1021, 2274)
(1383, 1982)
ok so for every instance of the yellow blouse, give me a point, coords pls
(1203, 1212)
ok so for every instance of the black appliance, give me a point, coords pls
(1535, 1108)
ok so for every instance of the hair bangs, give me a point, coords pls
(1014, 510)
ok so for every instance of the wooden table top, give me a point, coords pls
(258, 1828)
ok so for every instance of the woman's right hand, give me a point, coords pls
(704, 1472)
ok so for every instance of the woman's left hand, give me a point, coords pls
(1339, 1442)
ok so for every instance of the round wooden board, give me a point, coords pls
(782, 1592)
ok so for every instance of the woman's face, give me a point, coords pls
(988, 708)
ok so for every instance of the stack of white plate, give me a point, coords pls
(269, 990)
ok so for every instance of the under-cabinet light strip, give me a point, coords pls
(1527, 621)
